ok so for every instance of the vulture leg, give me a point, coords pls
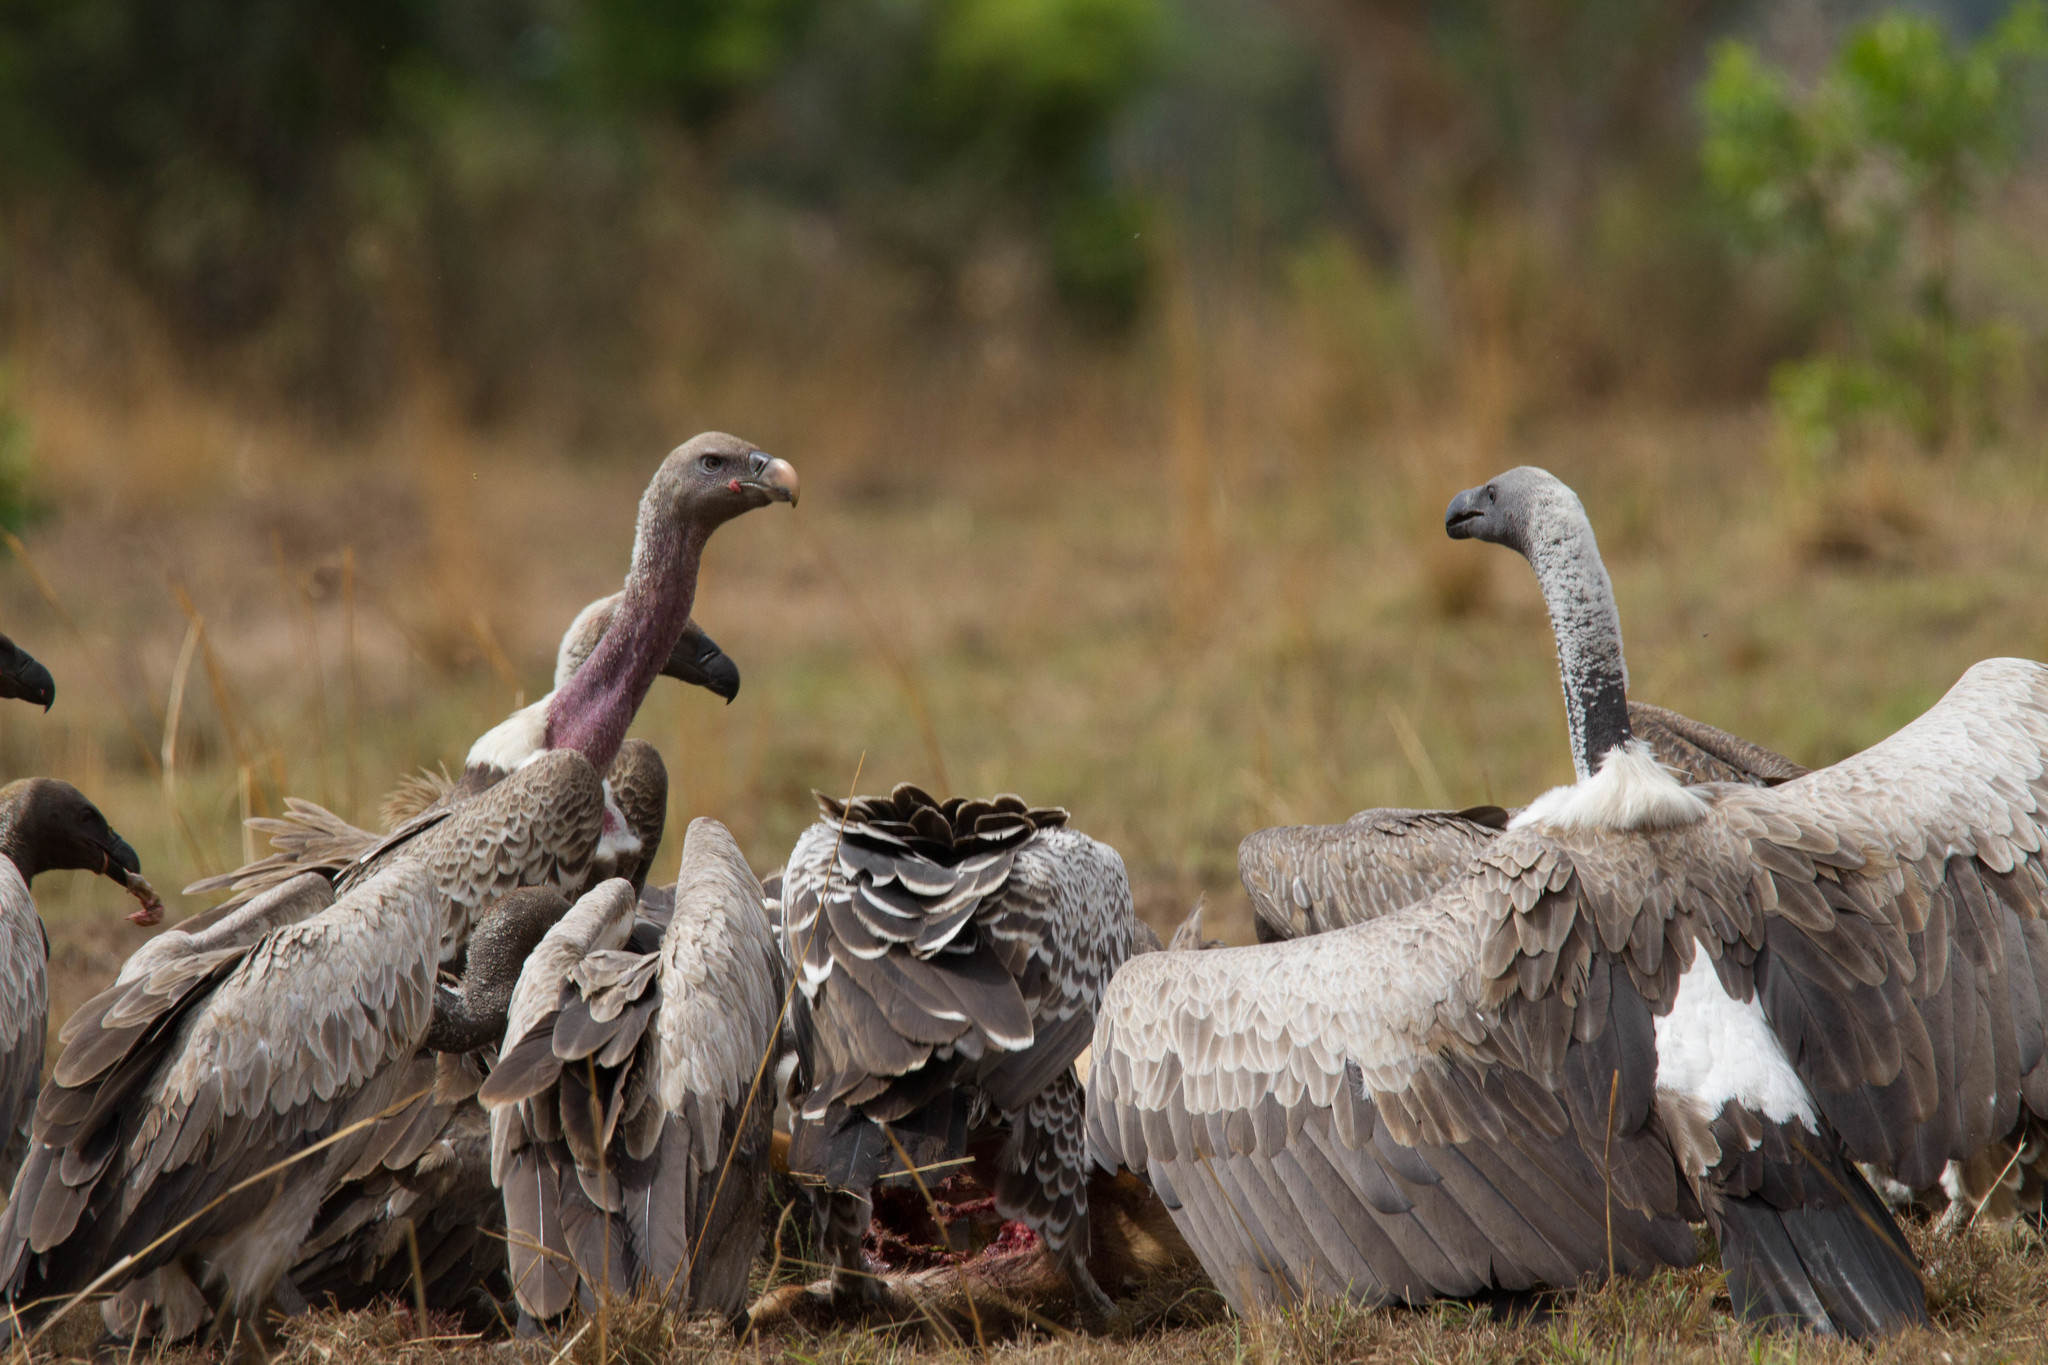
(845, 1216)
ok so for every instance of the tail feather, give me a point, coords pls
(1844, 1269)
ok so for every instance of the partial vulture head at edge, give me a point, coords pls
(47, 825)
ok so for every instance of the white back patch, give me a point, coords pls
(513, 741)
(1632, 791)
(1712, 1048)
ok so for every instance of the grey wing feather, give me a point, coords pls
(24, 1013)
(1305, 879)
(1699, 752)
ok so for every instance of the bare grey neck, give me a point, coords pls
(1561, 548)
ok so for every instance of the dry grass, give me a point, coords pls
(1167, 589)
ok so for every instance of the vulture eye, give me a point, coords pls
(710, 462)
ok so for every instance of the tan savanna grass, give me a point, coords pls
(1186, 588)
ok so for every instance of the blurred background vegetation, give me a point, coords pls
(1129, 349)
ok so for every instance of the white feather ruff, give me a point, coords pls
(1631, 792)
(513, 741)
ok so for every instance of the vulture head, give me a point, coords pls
(712, 478)
(704, 483)
(473, 1013)
(23, 678)
(696, 658)
(1518, 509)
(47, 825)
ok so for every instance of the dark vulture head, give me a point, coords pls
(1516, 509)
(696, 658)
(506, 933)
(911, 820)
(47, 825)
(23, 678)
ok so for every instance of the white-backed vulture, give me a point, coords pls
(950, 957)
(1304, 879)
(630, 1113)
(45, 826)
(209, 1064)
(1749, 988)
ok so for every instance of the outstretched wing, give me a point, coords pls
(1342, 1115)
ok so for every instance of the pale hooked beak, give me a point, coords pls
(776, 478)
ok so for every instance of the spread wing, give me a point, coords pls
(1905, 963)
(1304, 879)
(1297, 1119)
(1342, 1115)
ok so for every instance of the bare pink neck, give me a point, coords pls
(593, 710)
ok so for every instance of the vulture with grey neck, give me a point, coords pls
(950, 958)
(1664, 1001)
(220, 1052)
(45, 826)
(23, 677)
(1304, 879)
(631, 1116)
(309, 837)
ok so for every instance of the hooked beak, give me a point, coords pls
(1465, 509)
(776, 478)
(698, 661)
(123, 866)
(23, 677)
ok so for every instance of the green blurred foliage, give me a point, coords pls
(244, 150)
(1865, 180)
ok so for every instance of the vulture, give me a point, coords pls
(631, 1117)
(23, 677)
(428, 1169)
(45, 826)
(950, 958)
(309, 837)
(1641, 1001)
(251, 1041)
(1304, 879)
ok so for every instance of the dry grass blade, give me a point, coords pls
(174, 710)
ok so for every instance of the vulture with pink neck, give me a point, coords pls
(609, 660)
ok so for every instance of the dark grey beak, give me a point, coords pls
(698, 661)
(23, 677)
(1461, 517)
